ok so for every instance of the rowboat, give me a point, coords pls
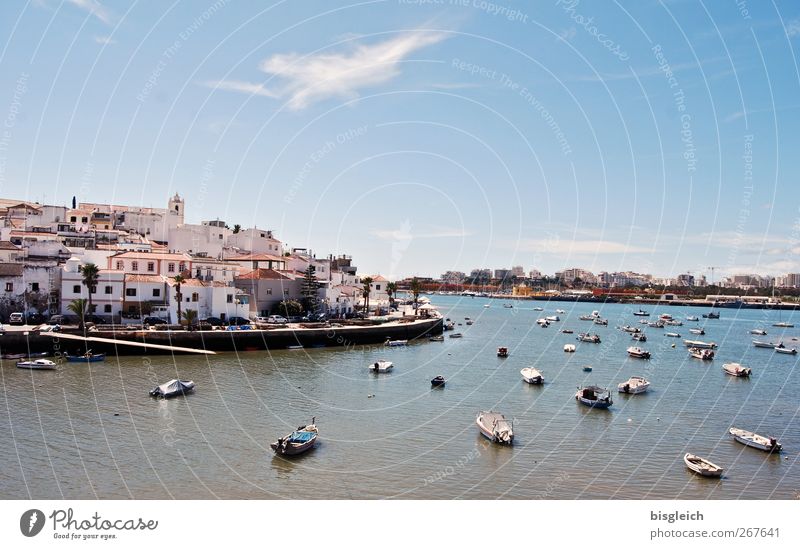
(594, 396)
(634, 386)
(502, 352)
(456, 335)
(702, 466)
(638, 352)
(589, 338)
(702, 354)
(532, 376)
(297, 442)
(87, 357)
(437, 338)
(672, 334)
(569, 348)
(173, 388)
(38, 364)
(381, 366)
(735, 369)
(438, 381)
(699, 344)
(768, 444)
(786, 350)
(495, 427)
(396, 342)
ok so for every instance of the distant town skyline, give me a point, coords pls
(424, 137)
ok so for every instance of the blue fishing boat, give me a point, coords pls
(297, 442)
(88, 356)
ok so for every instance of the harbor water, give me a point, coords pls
(92, 431)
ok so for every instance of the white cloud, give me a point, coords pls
(95, 8)
(104, 40)
(558, 246)
(793, 28)
(305, 80)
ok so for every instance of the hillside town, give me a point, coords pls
(151, 263)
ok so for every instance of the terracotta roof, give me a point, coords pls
(11, 269)
(189, 282)
(256, 257)
(151, 255)
(379, 278)
(143, 278)
(263, 274)
(6, 245)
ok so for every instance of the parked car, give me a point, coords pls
(261, 319)
(35, 318)
(94, 319)
(16, 319)
(212, 321)
(277, 319)
(315, 317)
(237, 321)
(153, 320)
(69, 320)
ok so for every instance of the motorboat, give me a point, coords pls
(297, 442)
(594, 396)
(786, 350)
(450, 325)
(38, 364)
(173, 388)
(538, 309)
(634, 386)
(737, 370)
(630, 329)
(600, 321)
(469, 322)
(561, 311)
(486, 306)
(783, 325)
(638, 352)
(673, 323)
(665, 316)
(758, 332)
(699, 344)
(554, 318)
(502, 352)
(495, 427)
(456, 335)
(702, 466)
(658, 324)
(711, 315)
(589, 338)
(586, 317)
(543, 322)
(748, 438)
(691, 318)
(587, 368)
(565, 331)
(672, 334)
(532, 376)
(697, 331)
(381, 366)
(641, 313)
(764, 344)
(508, 306)
(569, 348)
(645, 322)
(639, 337)
(702, 354)
(88, 356)
(396, 342)
(436, 338)
(438, 381)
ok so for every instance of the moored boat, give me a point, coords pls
(594, 396)
(702, 354)
(495, 427)
(532, 376)
(396, 342)
(764, 344)
(88, 356)
(638, 352)
(783, 325)
(786, 350)
(639, 337)
(561, 311)
(456, 335)
(641, 313)
(438, 381)
(553, 318)
(634, 386)
(748, 438)
(691, 318)
(735, 369)
(630, 329)
(589, 338)
(600, 321)
(672, 334)
(569, 348)
(565, 331)
(758, 332)
(38, 364)
(697, 331)
(699, 344)
(502, 352)
(381, 366)
(297, 442)
(711, 315)
(702, 466)
(173, 388)
(436, 338)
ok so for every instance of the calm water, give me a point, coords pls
(390, 435)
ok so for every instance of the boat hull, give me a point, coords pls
(754, 441)
(710, 471)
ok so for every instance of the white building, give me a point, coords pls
(107, 299)
(256, 241)
(210, 238)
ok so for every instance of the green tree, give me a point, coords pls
(91, 274)
(288, 308)
(236, 228)
(416, 289)
(189, 318)
(178, 295)
(309, 289)
(78, 307)
(391, 289)
(365, 291)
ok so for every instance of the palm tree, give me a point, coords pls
(391, 289)
(178, 295)
(365, 291)
(78, 306)
(416, 288)
(190, 317)
(90, 274)
(237, 228)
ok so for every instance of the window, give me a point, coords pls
(134, 265)
(73, 219)
(9, 287)
(76, 289)
(230, 298)
(377, 287)
(93, 289)
(269, 291)
(197, 273)
(34, 286)
(109, 290)
(151, 267)
(84, 219)
(107, 308)
(120, 266)
(195, 297)
(286, 292)
(208, 273)
(181, 266)
(220, 237)
(130, 292)
(170, 267)
(156, 292)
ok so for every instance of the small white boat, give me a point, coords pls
(786, 350)
(639, 337)
(702, 354)
(758, 332)
(673, 323)
(569, 348)
(641, 313)
(702, 466)
(495, 427)
(768, 444)
(638, 352)
(691, 318)
(456, 335)
(600, 321)
(589, 338)
(699, 344)
(764, 344)
(396, 342)
(630, 329)
(783, 325)
(735, 369)
(554, 318)
(658, 324)
(381, 366)
(38, 364)
(634, 386)
(294, 347)
(538, 309)
(585, 317)
(486, 306)
(543, 322)
(532, 376)
(672, 334)
(697, 331)
(561, 311)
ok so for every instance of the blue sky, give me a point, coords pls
(423, 136)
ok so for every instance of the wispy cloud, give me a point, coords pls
(307, 79)
(455, 85)
(104, 40)
(649, 71)
(565, 247)
(793, 28)
(404, 233)
(95, 8)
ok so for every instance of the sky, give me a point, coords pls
(424, 136)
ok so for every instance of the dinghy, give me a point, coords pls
(768, 444)
(702, 466)
(758, 332)
(381, 366)
(569, 348)
(297, 442)
(495, 427)
(438, 381)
